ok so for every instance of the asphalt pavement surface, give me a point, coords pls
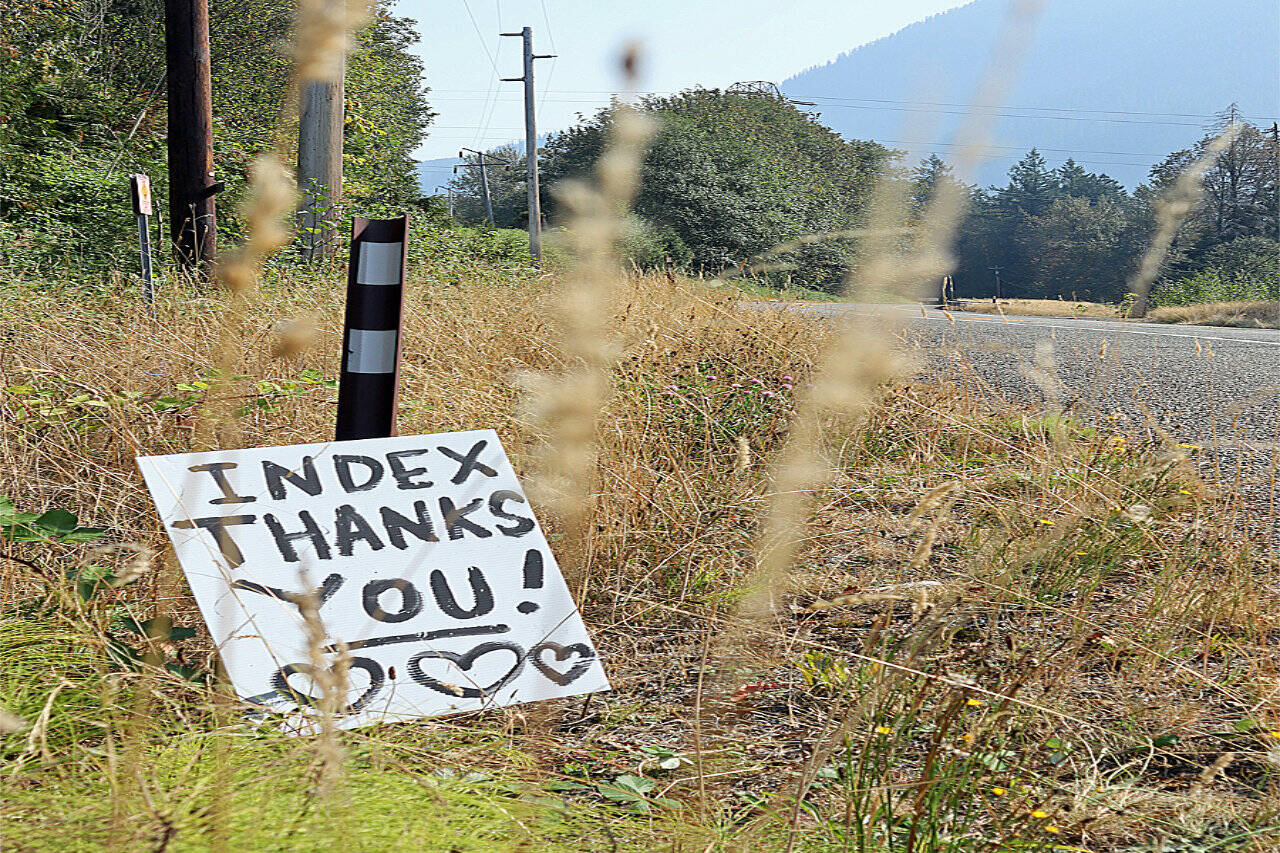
(1212, 387)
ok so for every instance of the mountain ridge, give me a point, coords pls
(1117, 86)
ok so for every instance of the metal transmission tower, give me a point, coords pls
(484, 165)
(765, 89)
(531, 142)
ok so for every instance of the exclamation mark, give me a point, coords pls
(532, 578)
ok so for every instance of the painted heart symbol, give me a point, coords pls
(280, 682)
(464, 662)
(562, 653)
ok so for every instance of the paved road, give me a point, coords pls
(1215, 387)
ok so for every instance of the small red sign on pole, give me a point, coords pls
(140, 189)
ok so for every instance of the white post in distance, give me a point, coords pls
(140, 195)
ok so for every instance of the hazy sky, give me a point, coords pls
(687, 42)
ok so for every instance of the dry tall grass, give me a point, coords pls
(953, 624)
(1106, 640)
(1243, 315)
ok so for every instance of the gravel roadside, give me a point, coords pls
(1216, 388)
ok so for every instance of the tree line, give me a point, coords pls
(1070, 233)
(727, 178)
(731, 175)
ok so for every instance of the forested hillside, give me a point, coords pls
(82, 104)
(1114, 85)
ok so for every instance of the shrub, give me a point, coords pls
(1214, 285)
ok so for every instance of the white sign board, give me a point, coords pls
(422, 551)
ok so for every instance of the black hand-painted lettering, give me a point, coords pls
(455, 520)
(464, 662)
(216, 469)
(422, 637)
(468, 462)
(410, 600)
(284, 541)
(396, 524)
(532, 569)
(217, 525)
(404, 476)
(280, 681)
(342, 466)
(562, 653)
(277, 475)
(322, 593)
(523, 524)
(351, 527)
(480, 591)
(532, 578)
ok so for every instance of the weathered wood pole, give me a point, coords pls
(322, 115)
(193, 223)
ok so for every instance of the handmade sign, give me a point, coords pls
(421, 552)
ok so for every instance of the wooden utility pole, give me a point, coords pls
(321, 117)
(531, 143)
(193, 223)
(484, 165)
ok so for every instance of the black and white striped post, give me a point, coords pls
(367, 387)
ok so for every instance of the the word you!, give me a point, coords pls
(429, 570)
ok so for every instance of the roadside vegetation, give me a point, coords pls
(82, 105)
(1256, 314)
(844, 604)
(1054, 233)
(1002, 630)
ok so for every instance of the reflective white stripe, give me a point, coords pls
(370, 351)
(379, 263)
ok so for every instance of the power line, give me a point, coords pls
(911, 142)
(915, 143)
(1007, 115)
(493, 63)
(907, 109)
(1077, 110)
(552, 70)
